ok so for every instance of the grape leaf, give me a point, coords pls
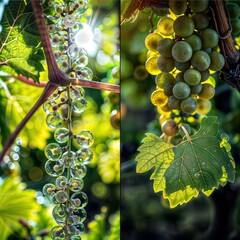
(155, 152)
(198, 164)
(20, 52)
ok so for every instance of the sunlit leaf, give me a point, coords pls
(15, 203)
(199, 164)
(16, 101)
(20, 52)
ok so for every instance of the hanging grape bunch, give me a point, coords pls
(67, 166)
(183, 52)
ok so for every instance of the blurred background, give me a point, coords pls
(145, 214)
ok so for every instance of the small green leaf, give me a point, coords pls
(198, 164)
(20, 52)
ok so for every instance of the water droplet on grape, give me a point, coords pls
(69, 21)
(78, 172)
(54, 120)
(84, 156)
(61, 196)
(53, 151)
(61, 135)
(84, 73)
(85, 139)
(76, 185)
(54, 168)
(58, 233)
(61, 182)
(79, 200)
(79, 105)
(49, 190)
(73, 51)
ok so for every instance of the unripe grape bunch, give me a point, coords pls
(183, 52)
(65, 165)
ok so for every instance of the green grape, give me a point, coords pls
(78, 172)
(178, 7)
(200, 60)
(181, 90)
(151, 65)
(54, 120)
(170, 128)
(204, 75)
(158, 98)
(164, 79)
(195, 42)
(235, 26)
(165, 64)
(84, 73)
(182, 66)
(209, 38)
(59, 214)
(201, 21)
(199, 5)
(165, 47)
(182, 51)
(165, 26)
(208, 92)
(61, 182)
(217, 61)
(187, 128)
(192, 77)
(54, 168)
(196, 89)
(189, 105)
(183, 26)
(53, 151)
(79, 200)
(85, 139)
(61, 135)
(168, 89)
(84, 156)
(152, 40)
(76, 185)
(180, 77)
(61, 196)
(233, 10)
(79, 105)
(174, 103)
(204, 106)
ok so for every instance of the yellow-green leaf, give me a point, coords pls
(199, 164)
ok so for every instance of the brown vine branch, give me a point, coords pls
(48, 90)
(73, 81)
(95, 85)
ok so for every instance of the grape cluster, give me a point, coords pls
(66, 193)
(64, 164)
(183, 52)
(63, 30)
(233, 8)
